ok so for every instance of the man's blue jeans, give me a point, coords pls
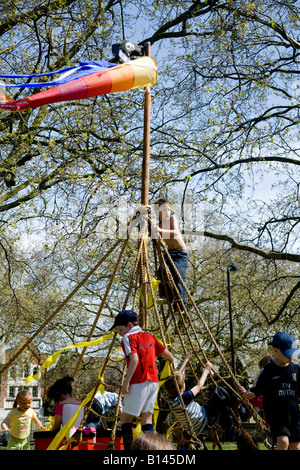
(180, 259)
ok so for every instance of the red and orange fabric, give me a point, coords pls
(138, 73)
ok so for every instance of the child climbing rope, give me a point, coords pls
(140, 386)
(169, 231)
(216, 409)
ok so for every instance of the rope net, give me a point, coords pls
(169, 320)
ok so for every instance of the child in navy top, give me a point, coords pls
(278, 382)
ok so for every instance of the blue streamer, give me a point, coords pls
(84, 68)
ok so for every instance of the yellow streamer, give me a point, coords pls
(101, 379)
(166, 372)
(171, 429)
(138, 428)
(53, 359)
(155, 284)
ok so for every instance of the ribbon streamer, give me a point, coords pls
(53, 359)
(84, 68)
(155, 284)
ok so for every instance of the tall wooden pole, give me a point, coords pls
(146, 140)
(145, 184)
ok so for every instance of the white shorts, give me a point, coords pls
(141, 398)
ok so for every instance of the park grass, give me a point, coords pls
(231, 446)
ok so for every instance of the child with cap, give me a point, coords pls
(278, 382)
(140, 386)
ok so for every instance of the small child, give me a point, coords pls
(61, 392)
(140, 386)
(214, 410)
(169, 231)
(278, 382)
(20, 418)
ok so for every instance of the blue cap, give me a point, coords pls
(286, 343)
(124, 317)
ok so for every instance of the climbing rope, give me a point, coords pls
(142, 270)
(140, 281)
(171, 282)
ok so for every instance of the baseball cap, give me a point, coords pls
(124, 317)
(286, 343)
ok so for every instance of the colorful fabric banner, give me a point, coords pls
(138, 73)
